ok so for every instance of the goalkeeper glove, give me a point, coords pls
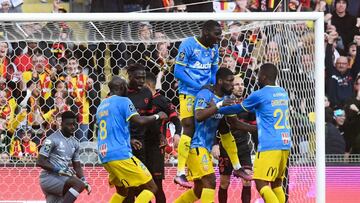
(87, 185)
(64, 171)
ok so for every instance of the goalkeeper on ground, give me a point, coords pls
(196, 66)
(59, 182)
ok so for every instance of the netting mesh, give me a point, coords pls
(47, 68)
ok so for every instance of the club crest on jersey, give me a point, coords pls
(285, 138)
(181, 56)
(197, 52)
(103, 150)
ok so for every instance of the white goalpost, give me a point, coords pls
(294, 41)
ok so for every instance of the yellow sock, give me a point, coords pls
(280, 194)
(228, 142)
(183, 152)
(116, 198)
(207, 195)
(187, 197)
(144, 196)
(268, 195)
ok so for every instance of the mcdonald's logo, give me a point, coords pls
(272, 172)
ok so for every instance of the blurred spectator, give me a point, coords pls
(79, 86)
(228, 61)
(266, 5)
(344, 22)
(161, 5)
(340, 78)
(334, 141)
(197, 5)
(352, 109)
(22, 148)
(107, 6)
(11, 6)
(23, 60)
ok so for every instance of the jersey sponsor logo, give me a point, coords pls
(217, 116)
(103, 150)
(181, 56)
(199, 65)
(272, 172)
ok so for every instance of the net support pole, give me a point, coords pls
(320, 109)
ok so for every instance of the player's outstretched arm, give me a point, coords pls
(144, 120)
(233, 109)
(235, 123)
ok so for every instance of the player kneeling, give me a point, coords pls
(59, 182)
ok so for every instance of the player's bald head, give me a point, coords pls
(117, 86)
(269, 71)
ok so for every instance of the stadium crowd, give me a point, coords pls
(39, 79)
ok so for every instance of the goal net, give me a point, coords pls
(47, 67)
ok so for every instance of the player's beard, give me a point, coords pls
(226, 92)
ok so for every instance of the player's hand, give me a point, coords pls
(215, 151)
(136, 144)
(162, 115)
(176, 140)
(87, 185)
(66, 172)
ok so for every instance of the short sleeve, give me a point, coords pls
(47, 147)
(202, 99)
(128, 109)
(184, 53)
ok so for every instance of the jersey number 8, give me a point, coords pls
(102, 128)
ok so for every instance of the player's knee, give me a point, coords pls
(151, 186)
(75, 183)
(209, 181)
(224, 181)
(188, 126)
(122, 191)
(276, 183)
(246, 182)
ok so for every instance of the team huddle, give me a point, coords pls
(214, 123)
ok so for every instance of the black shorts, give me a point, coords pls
(154, 160)
(225, 166)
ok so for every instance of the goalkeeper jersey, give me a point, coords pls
(112, 119)
(270, 104)
(205, 131)
(60, 150)
(198, 62)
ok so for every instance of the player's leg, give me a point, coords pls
(223, 189)
(72, 189)
(155, 164)
(53, 185)
(225, 169)
(187, 122)
(208, 188)
(277, 184)
(120, 195)
(148, 192)
(131, 173)
(191, 195)
(245, 161)
(266, 168)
